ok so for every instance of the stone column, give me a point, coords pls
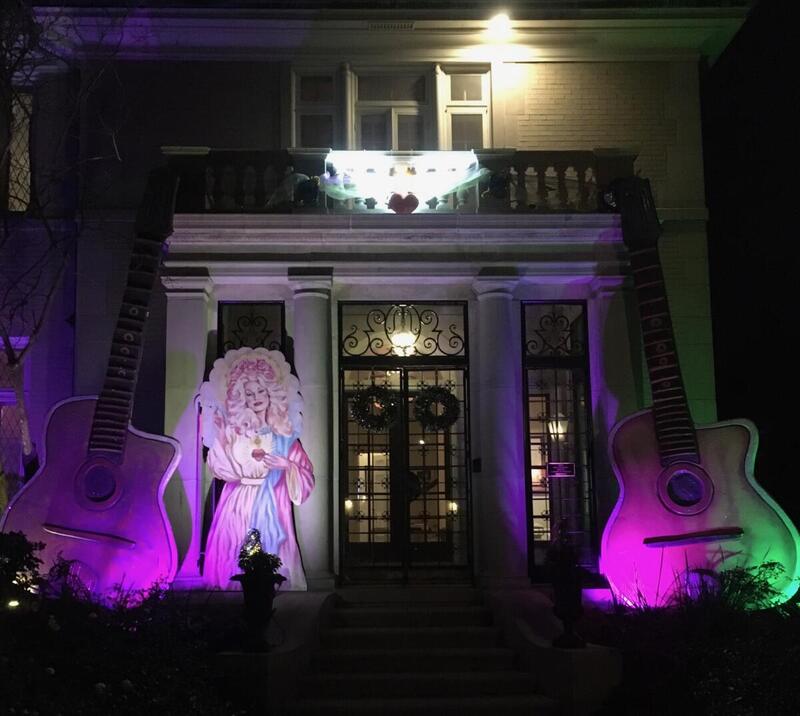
(187, 337)
(313, 360)
(499, 487)
(617, 375)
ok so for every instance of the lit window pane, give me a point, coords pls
(409, 131)
(466, 88)
(316, 130)
(19, 175)
(467, 131)
(316, 89)
(374, 131)
(383, 88)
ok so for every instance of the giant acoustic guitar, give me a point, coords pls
(98, 498)
(689, 505)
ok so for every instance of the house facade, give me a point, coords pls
(408, 203)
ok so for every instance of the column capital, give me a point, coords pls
(494, 286)
(311, 281)
(187, 282)
(607, 286)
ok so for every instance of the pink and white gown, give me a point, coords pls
(254, 496)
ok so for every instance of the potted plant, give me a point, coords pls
(260, 581)
(566, 576)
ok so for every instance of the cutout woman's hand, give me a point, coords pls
(275, 462)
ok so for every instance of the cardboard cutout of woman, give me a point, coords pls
(251, 424)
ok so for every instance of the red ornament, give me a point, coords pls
(403, 204)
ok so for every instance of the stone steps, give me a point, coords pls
(410, 637)
(413, 660)
(421, 650)
(400, 685)
(531, 705)
(412, 616)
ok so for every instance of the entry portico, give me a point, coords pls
(319, 268)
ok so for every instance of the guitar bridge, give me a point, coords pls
(712, 535)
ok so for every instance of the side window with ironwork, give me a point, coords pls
(250, 325)
(18, 153)
(405, 330)
(10, 437)
(245, 324)
(560, 491)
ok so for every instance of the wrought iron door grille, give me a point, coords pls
(405, 490)
(405, 330)
(558, 430)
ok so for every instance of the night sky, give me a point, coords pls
(750, 127)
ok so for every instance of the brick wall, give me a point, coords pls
(653, 107)
(650, 106)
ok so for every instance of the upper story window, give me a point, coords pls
(391, 110)
(405, 108)
(315, 109)
(466, 112)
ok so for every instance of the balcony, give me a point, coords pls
(321, 181)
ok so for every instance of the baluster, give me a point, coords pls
(270, 178)
(211, 181)
(542, 192)
(228, 199)
(249, 186)
(583, 191)
(522, 189)
(563, 192)
(591, 188)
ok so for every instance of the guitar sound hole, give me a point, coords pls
(99, 483)
(685, 489)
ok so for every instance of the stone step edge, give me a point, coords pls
(428, 701)
(508, 675)
(391, 630)
(432, 651)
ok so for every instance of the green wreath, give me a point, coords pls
(364, 403)
(423, 408)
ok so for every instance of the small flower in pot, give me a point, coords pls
(260, 581)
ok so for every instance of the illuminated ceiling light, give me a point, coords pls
(499, 28)
(348, 505)
(403, 336)
(13, 604)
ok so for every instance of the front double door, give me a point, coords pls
(404, 489)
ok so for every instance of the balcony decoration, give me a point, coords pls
(426, 412)
(375, 408)
(399, 181)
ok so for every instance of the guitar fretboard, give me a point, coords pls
(675, 432)
(115, 404)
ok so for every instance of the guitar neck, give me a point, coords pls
(675, 432)
(115, 404)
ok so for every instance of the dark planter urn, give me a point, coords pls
(567, 579)
(259, 590)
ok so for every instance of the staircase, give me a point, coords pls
(415, 651)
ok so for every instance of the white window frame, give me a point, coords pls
(461, 109)
(450, 107)
(394, 108)
(300, 108)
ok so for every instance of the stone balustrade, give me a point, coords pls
(285, 181)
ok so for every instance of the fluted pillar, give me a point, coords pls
(187, 337)
(312, 359)
(499, 486)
